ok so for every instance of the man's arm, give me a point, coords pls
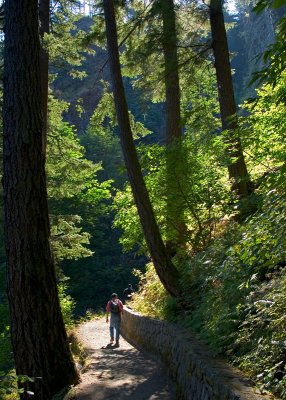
(107, 311)
(121, 307)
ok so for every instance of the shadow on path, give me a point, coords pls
(119, 373)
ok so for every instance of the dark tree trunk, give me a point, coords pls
(169, 41)
(165, 269)
(237, 169)
(38, 334)
(44, 18)
(176, 228)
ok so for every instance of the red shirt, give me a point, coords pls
(117, 301)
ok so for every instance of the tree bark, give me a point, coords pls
(166, 271)
(172, 85)
(44, 17)
(237, 169)
(176, 228)
(38, 334)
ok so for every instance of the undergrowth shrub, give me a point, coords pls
(9, 389)
(152, 299)
(234, 294)
(78, 352)
(211, 291)
(235, 291)
(262, 338)
(67, 305)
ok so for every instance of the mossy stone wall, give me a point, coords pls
(197, 373)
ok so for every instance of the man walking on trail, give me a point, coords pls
(114, 307)
(127, 293)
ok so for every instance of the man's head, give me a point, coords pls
(114, 296)
(129, 285)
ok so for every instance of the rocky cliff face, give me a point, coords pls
(249, 39)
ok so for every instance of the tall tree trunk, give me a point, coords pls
(176, 228)
(38, 334)
(237, 169)
(172, 86)
(44, 17)
(166, 271)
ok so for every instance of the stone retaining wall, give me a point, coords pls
(198, 375)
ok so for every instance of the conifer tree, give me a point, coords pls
(175, 206)
(166, 271)
(39, 340)
(237, 167)
(44, 18)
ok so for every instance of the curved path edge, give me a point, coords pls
(123, 373)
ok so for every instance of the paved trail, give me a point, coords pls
(119, 373)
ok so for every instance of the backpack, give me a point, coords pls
(114, 307)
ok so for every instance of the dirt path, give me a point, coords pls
(119, 373)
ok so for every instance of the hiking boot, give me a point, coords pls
(111, 341)
(117, 343)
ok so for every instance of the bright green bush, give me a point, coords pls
(67, 305)
(152, 299)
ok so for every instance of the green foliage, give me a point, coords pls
(9, 389)
(261, 340)
(206, 191)
(67, 168)
(128, 220)
(210, 287)
(142, 34)
(104, 117)
(234, 284)
(263, 131)
(101, 143)
(196, 182)
(200, 108)
(234, 291)
(152, 299)
(72, 187)
(234, 294)
(67, 43)
(202, 190)
(67, 304)
(68, 239)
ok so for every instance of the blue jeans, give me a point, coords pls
(115, 324)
